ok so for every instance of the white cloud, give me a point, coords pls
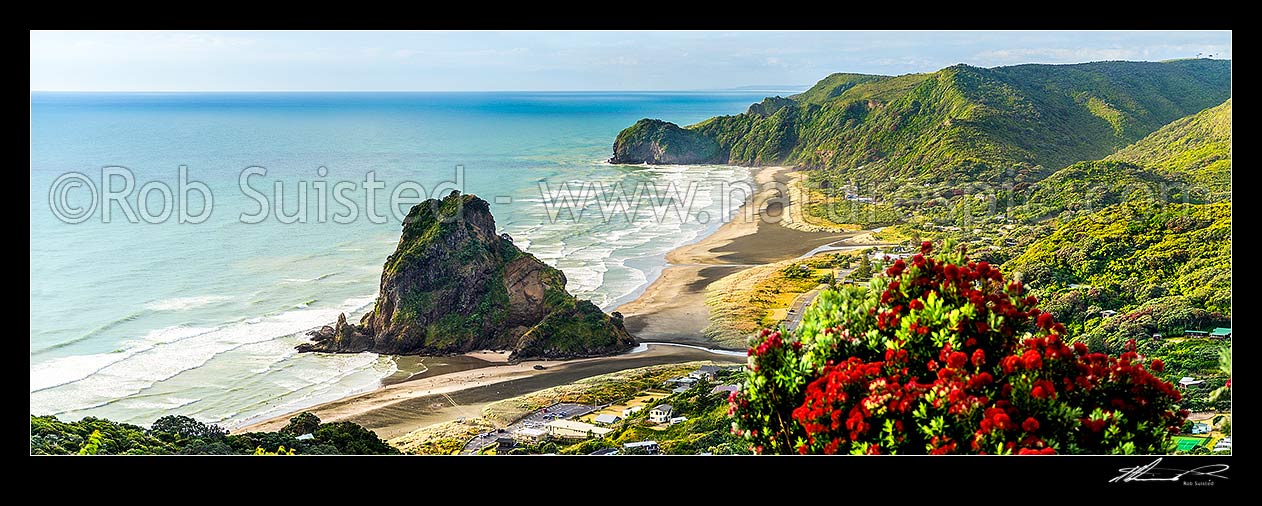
(1055, 55)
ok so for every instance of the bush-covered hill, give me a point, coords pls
(1127, 254)
(181, 435)
(1197, 148)
(1186, 161)
(960, 123)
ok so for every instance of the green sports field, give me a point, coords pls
(1189, 443)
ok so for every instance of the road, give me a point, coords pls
(798, 308)
(537, 420)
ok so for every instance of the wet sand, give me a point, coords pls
(413, 367)
(396, 409)
(673, 309)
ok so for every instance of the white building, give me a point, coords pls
(649, 447)
(661, 413)
(607, 419)
(1224, 445)
(570, 429)
(532, 434)
(1188, 381)
(631, 410)
(678, 419)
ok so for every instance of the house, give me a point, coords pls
(607, 419)
(570, 429)
(661, 413)
(505, 443)
(305, 437)
(682, 381)
(1220, 333)
(1108, 313)
(1195, 333)
(1200, 428)
(679, 390)
(631, 410)
(647, 447)
(678, 419)
(1188, 381)
(532, 434)
(1224, 445)
(725, 389)
(705, 372)
(605, 451)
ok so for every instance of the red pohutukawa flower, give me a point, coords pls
(865, 376)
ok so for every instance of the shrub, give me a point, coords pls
(940, 356)
(305, 423)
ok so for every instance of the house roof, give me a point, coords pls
(663, 407)
(579, 427)
(638, 444)
(708, 368)
(725, 388)
(679, 390)
(532, 432)
(605, 451)
(607, 418)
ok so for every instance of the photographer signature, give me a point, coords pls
(1151, 472)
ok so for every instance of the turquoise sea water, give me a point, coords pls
(134, 320)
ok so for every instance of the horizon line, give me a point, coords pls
(738, 89)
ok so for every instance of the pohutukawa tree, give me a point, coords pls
(940, 355)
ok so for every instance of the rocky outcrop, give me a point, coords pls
(454, 285)
(655, 141)
(769, 106)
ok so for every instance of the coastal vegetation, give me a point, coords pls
(601, 389)
(181, 435)
(742, 303)
(941, 355)
(1177, 256)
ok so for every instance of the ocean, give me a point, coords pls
(139, 312)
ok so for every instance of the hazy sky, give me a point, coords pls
(590, 60)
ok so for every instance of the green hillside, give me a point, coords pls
(964, 123)
(1197, 147)
(1124, 255)
(1188, 161)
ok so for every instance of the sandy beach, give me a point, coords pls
(396, 409)
(672, 308)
